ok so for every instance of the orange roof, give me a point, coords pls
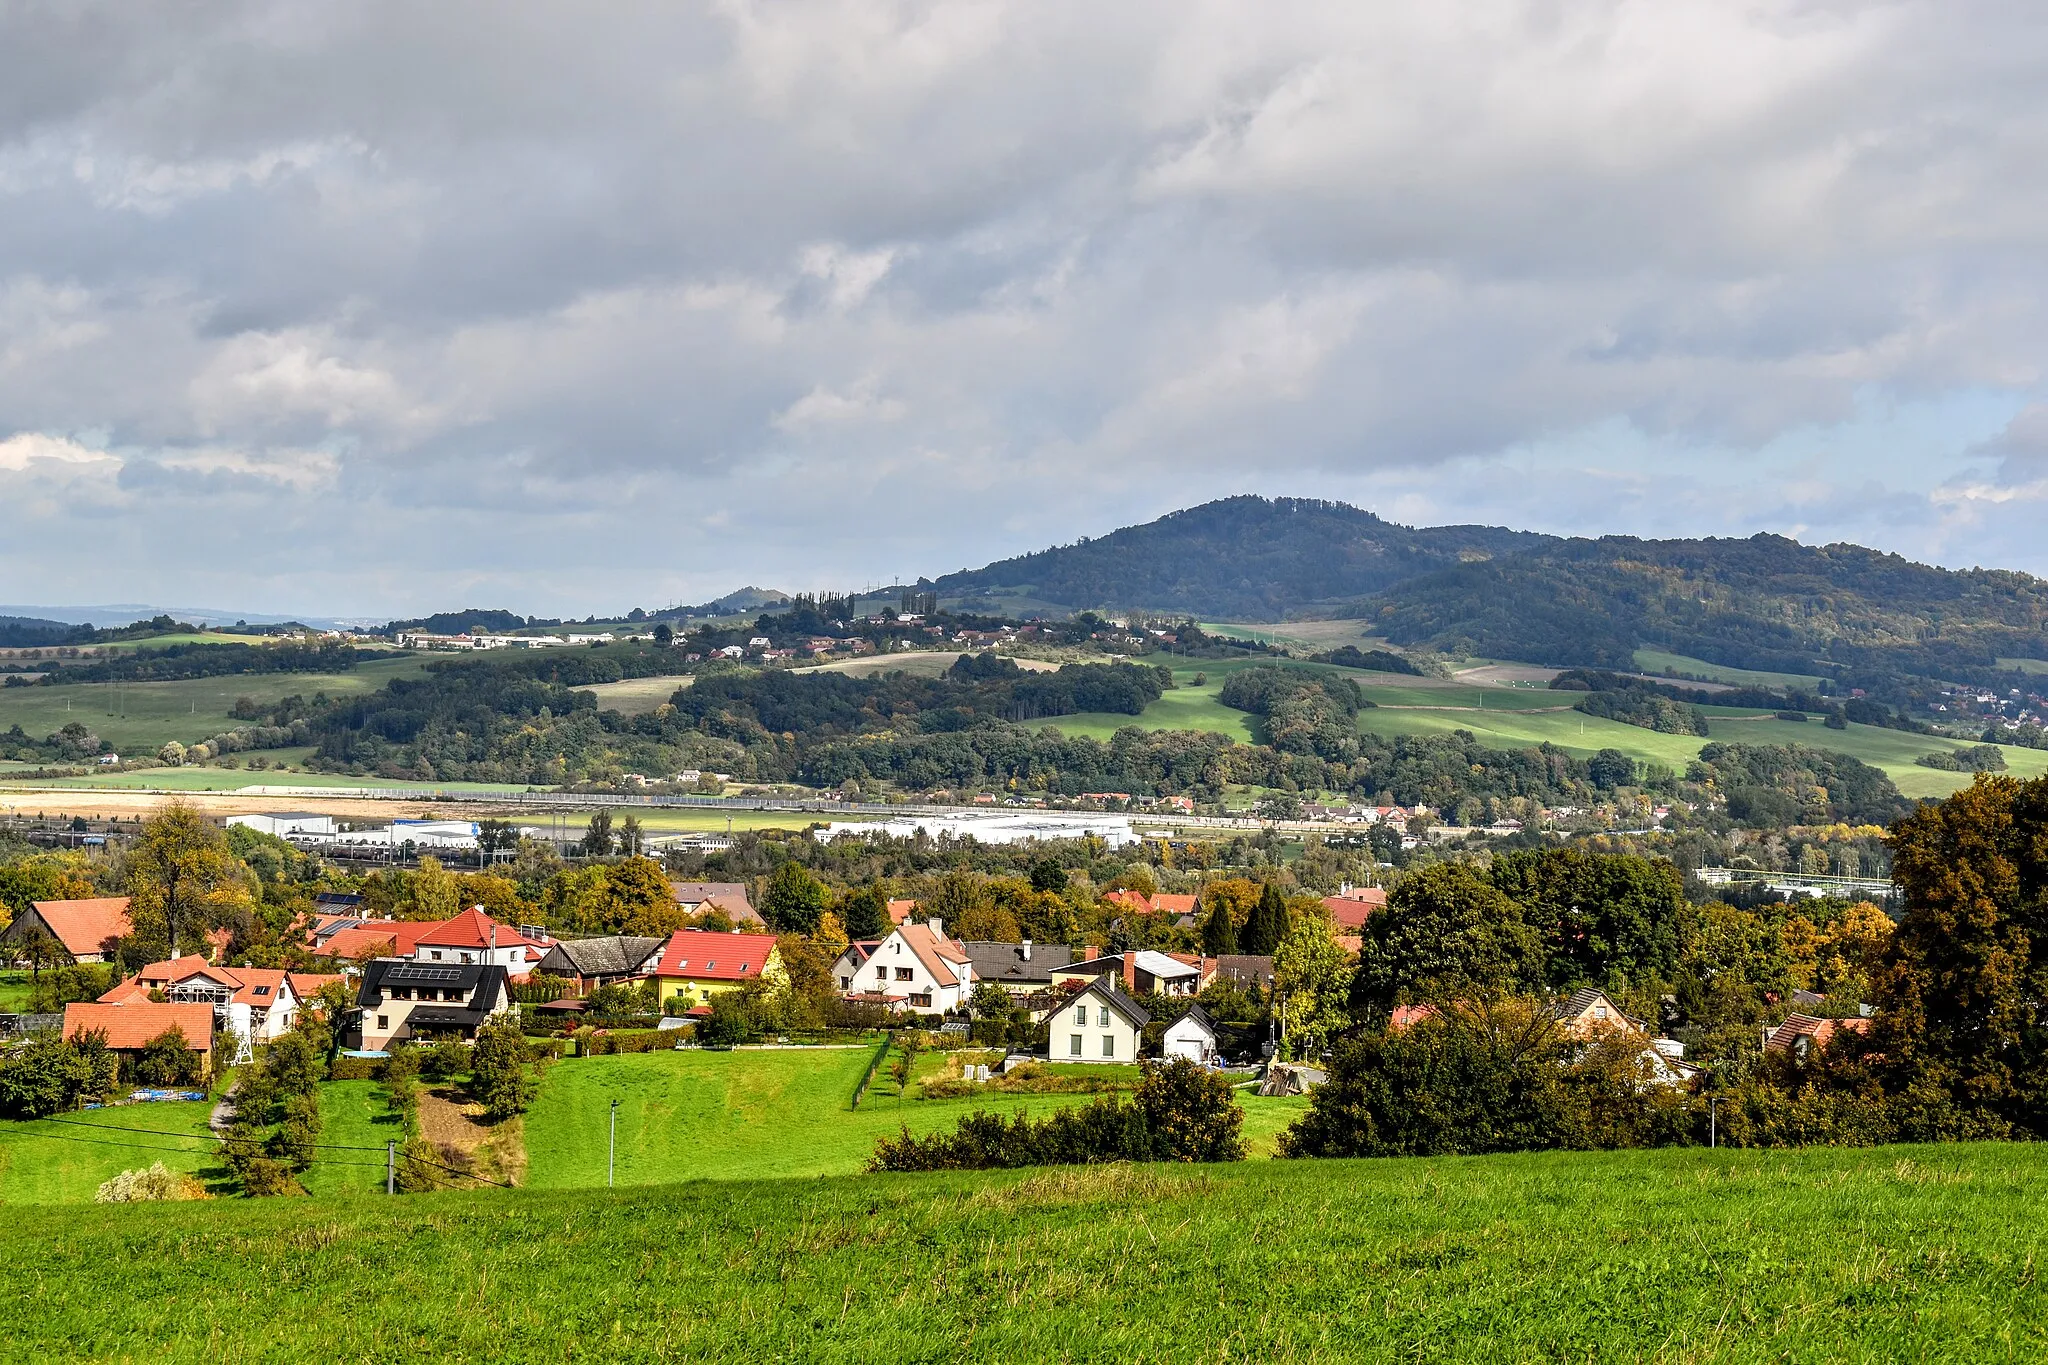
(125, 992)
(470, 929)
(700, 955)
(937, 954)
(899, 911)
(1131, 900)
(369, 940)
(1173, 904)
(1408, 1016)
(82, 926)
(131, 1026)
(306, 985)
(258, 986)
(1354, 908)
(1819, 1030)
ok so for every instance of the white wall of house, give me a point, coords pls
(1188, 1037)
(1089, 1029)
(897, 970)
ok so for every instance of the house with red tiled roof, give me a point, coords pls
(474, 936)
(1802, 1035)
(82, 928)
(696, 963)
(1353, 908)
(726, 898)
(917, 968)
(258, 1003)
(132, 1026)
(370, 938)
(901, 910)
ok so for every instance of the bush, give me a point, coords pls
(153, 1184)
(1179, 1113)
(49, 1075)
(356, 1069)
(644, 1040)
(498, 1074)
(443, 1061)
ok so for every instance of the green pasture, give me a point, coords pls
(196, 779)
(1186, 707)
(63, 1161)
(1695, 1256)
(635, 696)
(1659, 661)
(143, 716)
(2025, 665)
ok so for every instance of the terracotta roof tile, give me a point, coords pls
(82, 926)
(131, 1026)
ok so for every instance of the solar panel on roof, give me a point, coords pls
(414, 972)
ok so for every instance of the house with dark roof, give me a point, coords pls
(400, 999)
(1245, 970)
(1019, 968)
(594, 962)
(1142, 972)
(83, 929)
(1588, 1011)
(1099, 1023)
(1192, 1035)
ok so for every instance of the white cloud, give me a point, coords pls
(29, 449)
(885, 282)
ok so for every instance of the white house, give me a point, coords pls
(288, 824)
(1099, 1024)
(259, 1003)
(1192, 1036)
(916, 968)
(473, 936)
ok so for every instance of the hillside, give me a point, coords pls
(1242, 558)
(1762, 603)
(1824, 1254)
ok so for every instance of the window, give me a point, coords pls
(881, 973)
(1109, 1045)
(263, 990)
(1081, 1017)
(1074, 1046)
(904, 973)
(437, 954)
(845, 983)
(1103, 1016)
(1599, 1011)
(382, 1023)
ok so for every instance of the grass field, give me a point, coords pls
(1674, 665)
(1926, 1254)
(2025, 665)
(63, 1162)
(750, 1114)
(143, 716)
(635, 696)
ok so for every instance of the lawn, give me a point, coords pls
(635, 696)
(728, 1115)
(142, 716)
(1186, 707)
(352, 1114)
(62, 1161)
(1679, 665)
(1927, 1253)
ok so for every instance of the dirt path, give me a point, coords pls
(450, 1119)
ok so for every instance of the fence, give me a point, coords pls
(874, 1064)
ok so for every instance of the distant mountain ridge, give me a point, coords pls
(1242, 559)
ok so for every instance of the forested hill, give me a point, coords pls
(1240, 559)
(1764, 603)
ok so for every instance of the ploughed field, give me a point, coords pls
(1923, 1253)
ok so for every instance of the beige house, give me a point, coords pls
(1098, 1024)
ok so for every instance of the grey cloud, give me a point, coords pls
(856, 287)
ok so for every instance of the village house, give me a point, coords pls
(84, 930)
(1802, 1035)
(1192, 1036)
(1022, 969)
(1098, 1024)
(593, 962)
(258, 1003)
(846, 967)
(132, 1026)
(1143, 972)
(1587, 1012)
(727, 898)
(474, 936)
(400, 1000)
(695, 963)
(917, 968)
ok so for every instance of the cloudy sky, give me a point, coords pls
(390, 307)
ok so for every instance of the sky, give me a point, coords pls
(389, 308)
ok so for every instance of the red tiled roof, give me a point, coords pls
(1173, 904)
(369, 940)
(700, 955)
(82, 926)
(937, 954)
(470, 929)
(1352, 910)
(1819, 1030)
(258, 986)
(899, 911)
(306, 985)
(131, 1026)
(1408, 1016)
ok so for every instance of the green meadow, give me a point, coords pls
(62, 1161)
(143, 716)
(1680, 665)
(1926, 1254)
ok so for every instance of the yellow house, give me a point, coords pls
(695, 963)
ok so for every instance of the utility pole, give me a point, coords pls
(611, 1155)
(390, 1166)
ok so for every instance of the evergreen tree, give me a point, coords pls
(866, 913)
(1267, 924)
(1219, 935)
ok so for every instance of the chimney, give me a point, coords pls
(1027, 950)
(938, 927)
